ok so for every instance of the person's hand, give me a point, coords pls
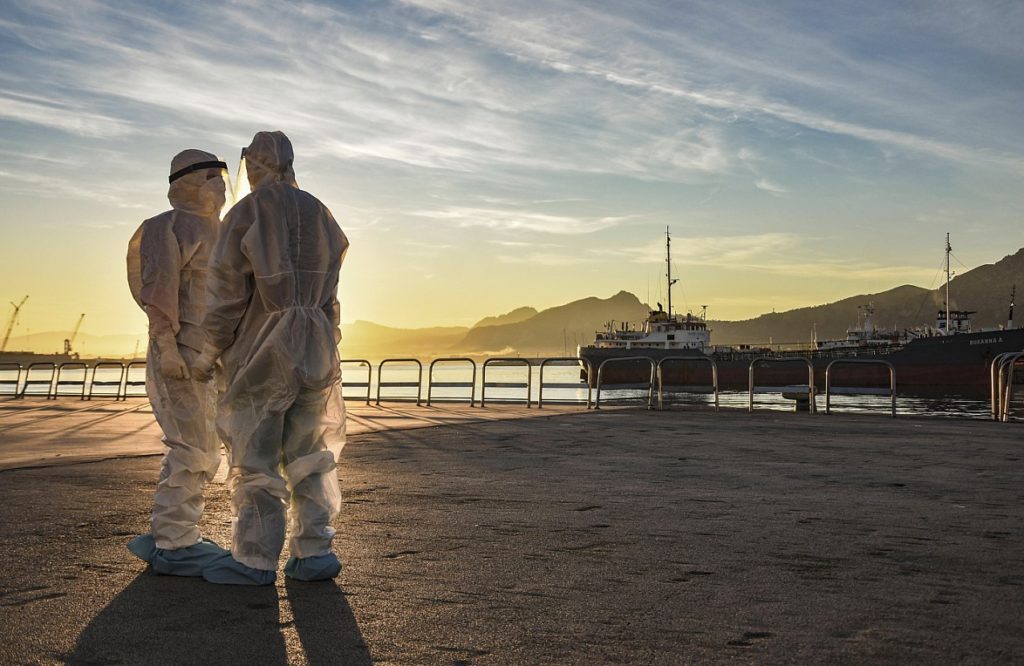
(172, 365)
(202, 369)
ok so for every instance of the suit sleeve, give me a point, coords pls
(332, 307)
(229, 281)
(161, 276)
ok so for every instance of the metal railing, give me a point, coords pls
(807, 388)
(563, 360)
(364, 385)
(507, 362)
(686, 388)
(471, 384)
(418, 384)
(30, 381)
(1002, 383)
(860, 390)
(130, 383)
(14, 384)
(102, 367)
(71, 366)
(636, 385)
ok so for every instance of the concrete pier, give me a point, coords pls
(570, 537)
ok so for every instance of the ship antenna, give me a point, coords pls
(948, 251)
(668, 262)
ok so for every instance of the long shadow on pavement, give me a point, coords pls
(326, 625)
(167, 619)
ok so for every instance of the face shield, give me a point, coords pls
(242, 188)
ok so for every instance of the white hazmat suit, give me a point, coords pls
(167, 263)
(272, 319)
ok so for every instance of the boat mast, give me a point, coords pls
(1013, 295)
(668, 274)
(948, 250)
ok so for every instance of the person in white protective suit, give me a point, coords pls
(272, 319)
(167, 259)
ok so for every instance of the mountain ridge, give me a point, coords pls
(559, 329)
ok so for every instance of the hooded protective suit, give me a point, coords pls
(272, 318)
(167, 259)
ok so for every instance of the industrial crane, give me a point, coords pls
(12, 322)
(74, 334)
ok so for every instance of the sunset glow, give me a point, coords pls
(485, 156)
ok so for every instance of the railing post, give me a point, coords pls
(16, 382)
(852, 390)
(97, 382)
(624, 359)
(810, 389)
(471, 384)
(686, 389)
(71, 365)
(369, 374)
(48, 382)
(528, 384)
(418, 384)
(129, 382)
(563, 385)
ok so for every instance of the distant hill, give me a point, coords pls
(514, 317)
(985, 289)
(51, 342)
(556, 330)
(364, 339)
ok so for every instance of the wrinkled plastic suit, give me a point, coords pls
(167, 263)
(272, 319)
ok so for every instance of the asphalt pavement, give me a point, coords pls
(612, 537)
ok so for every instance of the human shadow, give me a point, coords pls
(325, 623)
(170, 619)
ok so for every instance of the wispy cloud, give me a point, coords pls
(519, 220)
(769, 186)
(61, 116)
(769, 253)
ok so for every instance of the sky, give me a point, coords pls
(487, 155)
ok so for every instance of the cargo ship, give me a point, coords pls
(947, 358)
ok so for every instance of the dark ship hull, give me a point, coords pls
(942, 365)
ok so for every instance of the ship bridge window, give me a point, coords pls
(671, 336)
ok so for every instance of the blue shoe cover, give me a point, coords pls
(189, 561)
(318, 567)
(143, 547)
(229, 571)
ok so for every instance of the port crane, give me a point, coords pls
(74, 334)
(12, 322)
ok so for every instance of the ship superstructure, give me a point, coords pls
(664, 330)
